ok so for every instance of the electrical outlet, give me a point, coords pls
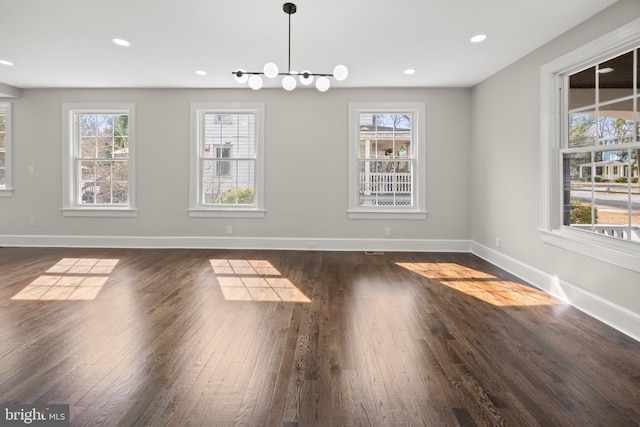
(229, 229)
(32, 170)
(387, 231)
(32, 222)
(498, 242)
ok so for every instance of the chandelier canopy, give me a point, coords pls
(270, 70)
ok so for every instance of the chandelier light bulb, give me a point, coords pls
(340, 72)
(289, 83)
(240, 76)
(255, 82)
(323, 84)
(306, 78)
(270, 70)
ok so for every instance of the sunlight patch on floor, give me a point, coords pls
(254, 280)
(481, 285)
(70, 279)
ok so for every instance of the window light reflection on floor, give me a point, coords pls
(481, 285)
(70, 279)
(254, 280)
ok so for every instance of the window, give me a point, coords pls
(5, 149)
(226, 160)
(99, 160)
(386, 160)
(590, 149)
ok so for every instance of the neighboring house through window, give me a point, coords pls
(226, 160)
(386, 160)
(5, 149)
(99, 143)
(591, 149)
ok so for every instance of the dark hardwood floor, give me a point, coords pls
(277, 338)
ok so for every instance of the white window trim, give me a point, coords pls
(614, 251)
(6, 190)
(196, 208)
(70, 207)
(418, 129)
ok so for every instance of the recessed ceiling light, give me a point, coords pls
(409, 71)
(7, 63)
(201, 73)
(121, 42)
(478, 38)
(605, 70)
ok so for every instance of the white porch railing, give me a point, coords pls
(385, 183)
(613, 230)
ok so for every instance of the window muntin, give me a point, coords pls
(226, 159)
(600, 150)
(386, 166)
(99, 160)
(5, 149)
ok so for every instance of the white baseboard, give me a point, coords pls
(389, 245)
(617, 317)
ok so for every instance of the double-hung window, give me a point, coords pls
(227, 160)
(98, 161)
(5, 149)
(591, 149)
(386, 160)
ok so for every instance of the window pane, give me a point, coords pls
(230, 129)
(3, 143)
(582, 89)
(121, 125)
(616, 123)
(2, 159)
(615, 78)
(578, 190)
(121, 147)
(103, 170)
(105, 147)
(87, 169)
(2, 176)
(582, 129)
(104, 124)
(236, 188)
(385, 183)
(88, 125)
(120, 193)
(88, 147)
(120, 171)
(3, 119)
(104, 192)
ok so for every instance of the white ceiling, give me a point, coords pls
(67, 43)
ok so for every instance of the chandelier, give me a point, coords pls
(270, 70)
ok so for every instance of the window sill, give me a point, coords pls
(6, 192)
(100, 212)
(608, 249)
(226, 213)
(381, 214)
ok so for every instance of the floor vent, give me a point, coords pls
(373, 253)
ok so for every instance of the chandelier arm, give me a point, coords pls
(290, 73)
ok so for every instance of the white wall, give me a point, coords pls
(505, 175)
(305, 166)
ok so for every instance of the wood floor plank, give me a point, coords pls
(188, 337)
